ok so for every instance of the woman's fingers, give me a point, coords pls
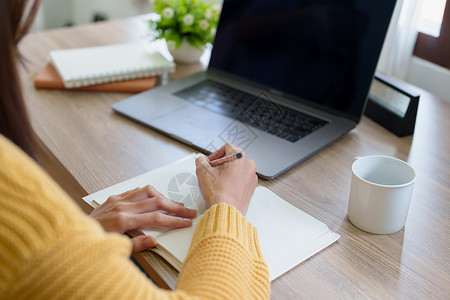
(232, 183)
(142, 242)
(157, 219)
(139, 208)
(137, 194)
(124, 194)
(228, 148)
(148, 199)
(203, 164)
(161, 203)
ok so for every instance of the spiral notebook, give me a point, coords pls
(95, 65)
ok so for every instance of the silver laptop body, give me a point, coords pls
(324, 71)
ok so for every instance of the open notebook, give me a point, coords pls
(289, 238)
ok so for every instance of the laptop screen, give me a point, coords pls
(323, 52)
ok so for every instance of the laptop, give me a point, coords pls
(286, 78)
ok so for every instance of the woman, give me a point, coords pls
(50, 249)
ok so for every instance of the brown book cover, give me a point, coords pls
(47, 78)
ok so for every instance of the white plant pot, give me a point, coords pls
(186, 54)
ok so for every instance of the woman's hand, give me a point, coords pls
(233, 182)
(141, 208)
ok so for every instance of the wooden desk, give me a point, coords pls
(89, 148)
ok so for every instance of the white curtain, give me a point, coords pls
(397, 51)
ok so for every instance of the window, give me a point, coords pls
(430, 18)
(433, 40)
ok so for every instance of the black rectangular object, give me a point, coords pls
(385, 108)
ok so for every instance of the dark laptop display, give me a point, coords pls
(319, 51)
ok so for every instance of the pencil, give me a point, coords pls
(225, 159)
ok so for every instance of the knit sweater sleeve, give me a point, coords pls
(50, 250)
(225, 253)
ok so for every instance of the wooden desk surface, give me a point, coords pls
(96, 148)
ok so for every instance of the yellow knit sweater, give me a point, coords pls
(50, 250)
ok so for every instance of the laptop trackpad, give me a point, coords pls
(193, 125)
(148, 106)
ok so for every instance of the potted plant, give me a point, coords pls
(188, 26)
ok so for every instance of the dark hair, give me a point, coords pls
(16, 18)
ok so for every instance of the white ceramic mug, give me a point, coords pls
(380, 193)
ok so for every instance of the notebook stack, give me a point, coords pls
(130, 67)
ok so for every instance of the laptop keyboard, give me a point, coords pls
(257, 111)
